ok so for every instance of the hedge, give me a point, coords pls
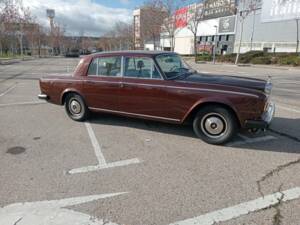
(257, 57)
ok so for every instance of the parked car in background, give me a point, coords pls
(73, 53)
(161, 86)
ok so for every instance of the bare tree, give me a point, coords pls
(15, 19)
(118, 38)
(194, 17)
(153, 19)
(169, 23)
(123, 35)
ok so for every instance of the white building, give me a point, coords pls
(217, 27)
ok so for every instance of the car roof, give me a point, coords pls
(132, 52)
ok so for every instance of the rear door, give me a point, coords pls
(102, 84)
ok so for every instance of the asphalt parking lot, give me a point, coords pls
(116, 170)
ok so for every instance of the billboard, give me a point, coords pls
(181, 17)
(227, 25)
(219, 8)
(184, 15)
(278, 10)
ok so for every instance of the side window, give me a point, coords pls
(140, 67)
(109, 66)
(105, 66)
(93, 68)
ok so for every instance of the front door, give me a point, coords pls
(102, 84)
(142, 91)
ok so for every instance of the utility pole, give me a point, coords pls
(215, 44)
(297, 47)
(51, 15)
(240, 43)
(253, 29)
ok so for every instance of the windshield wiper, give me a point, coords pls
(183, 75)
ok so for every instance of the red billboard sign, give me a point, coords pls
(181, 17)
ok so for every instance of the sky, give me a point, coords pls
(85, 17)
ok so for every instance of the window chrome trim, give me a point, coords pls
(134, 114)
(97, 69)
(122, 66)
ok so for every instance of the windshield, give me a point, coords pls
(172, 65)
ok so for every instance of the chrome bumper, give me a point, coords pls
(265, 121)
(43, 97)
(269, 114)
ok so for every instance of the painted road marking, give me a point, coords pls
(23, 103)
(52, 212)
(102, 164)
(98, 152)
(247, 140)
(242, 209)
(287, 108)
(8, 90)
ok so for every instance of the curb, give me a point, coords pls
(9, 62)
(14, 61)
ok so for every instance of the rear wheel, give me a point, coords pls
(215, 125)
(76, 108)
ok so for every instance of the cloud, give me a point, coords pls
(79, 16)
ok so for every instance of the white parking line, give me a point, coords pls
(251, 140)
(23, 103)
(287, 108)
(52, 212)
(8, 90)
(241, 209)
(102, 164)
(98, 152)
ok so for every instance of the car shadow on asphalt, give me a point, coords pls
(282, 141)
(148, 125)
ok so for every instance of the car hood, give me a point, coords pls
(235, 81)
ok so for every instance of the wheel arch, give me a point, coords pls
(67, 92)
(190, 115)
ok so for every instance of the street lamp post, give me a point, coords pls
(215, 44)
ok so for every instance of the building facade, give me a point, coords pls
(271, 35)
(216, 28)
(266, 25)
(147, 23)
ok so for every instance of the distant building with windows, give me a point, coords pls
(147, 22)
(217, 27)
(269, 26)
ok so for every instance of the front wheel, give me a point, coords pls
(215, 125)
(76, 108)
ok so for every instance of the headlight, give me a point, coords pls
(269, 86)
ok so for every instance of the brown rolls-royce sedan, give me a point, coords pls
(161, 86)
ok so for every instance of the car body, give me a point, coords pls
(160, 86)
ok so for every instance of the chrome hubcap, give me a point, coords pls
(75, 107)
(213, 125)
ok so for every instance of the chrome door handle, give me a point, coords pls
(122, 85)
